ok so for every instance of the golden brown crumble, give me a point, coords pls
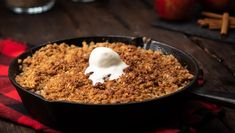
(56, 71)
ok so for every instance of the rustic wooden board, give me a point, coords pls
(9, 127)
(191, 28)
(122, 17)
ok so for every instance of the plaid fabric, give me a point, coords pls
(11, 107)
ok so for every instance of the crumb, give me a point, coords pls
(56, 71)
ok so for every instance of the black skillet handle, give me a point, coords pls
(222, 98)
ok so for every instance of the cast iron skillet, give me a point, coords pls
(70, 116)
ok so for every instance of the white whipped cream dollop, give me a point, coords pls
(104, 62)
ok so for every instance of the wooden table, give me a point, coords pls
(122, 17)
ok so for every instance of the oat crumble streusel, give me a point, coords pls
(56, 71)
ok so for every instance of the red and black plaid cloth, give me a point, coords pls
(12, 109)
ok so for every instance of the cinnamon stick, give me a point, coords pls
(208, 21)
(218, 16)
(225, 24)
(212, 24)
(216, 27)
(202, 22)
(211, 15)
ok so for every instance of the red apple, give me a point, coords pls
(174, 9)
(219, 5)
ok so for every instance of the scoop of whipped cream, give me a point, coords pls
(103, 63)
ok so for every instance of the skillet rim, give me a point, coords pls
(30, 51)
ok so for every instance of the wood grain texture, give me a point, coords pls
(36, 29)
(228, 120)
(9, 127)
(122, 17)
(92, 19)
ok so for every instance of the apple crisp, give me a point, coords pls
(56, 72)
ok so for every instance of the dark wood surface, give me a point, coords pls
(122, 17)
